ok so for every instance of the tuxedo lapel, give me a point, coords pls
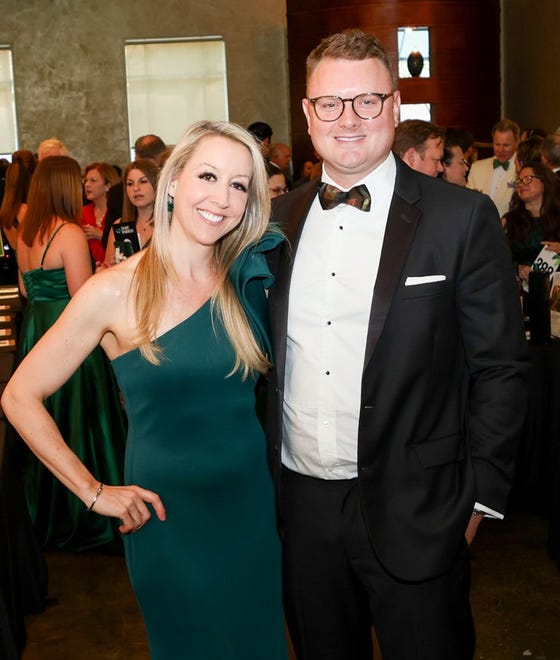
(399, 233)
(487, 169)
(291, 210)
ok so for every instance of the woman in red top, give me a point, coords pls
(99, 177)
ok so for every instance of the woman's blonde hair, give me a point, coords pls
(55, 192)
(156, 268)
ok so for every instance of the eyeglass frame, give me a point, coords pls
(524, 181)
(382, 97)
(461, 161)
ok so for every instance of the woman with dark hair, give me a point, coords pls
(14, 203)
(534, 215)
(12, 212)
(54, 262)
(140, 181)
(27, 158)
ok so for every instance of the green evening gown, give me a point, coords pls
(89, 414)
(208, 578)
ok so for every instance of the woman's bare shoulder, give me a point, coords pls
(70, 230)
(103, 305)
(69, 236)
(113, 292)
(113, 283)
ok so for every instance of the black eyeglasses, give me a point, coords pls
(526, 180)
(366, 106)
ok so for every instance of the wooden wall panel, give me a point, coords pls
(464, 86)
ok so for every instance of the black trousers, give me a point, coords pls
(335, 588)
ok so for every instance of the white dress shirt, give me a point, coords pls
(498, 177)
(330, 303)
(331, 295)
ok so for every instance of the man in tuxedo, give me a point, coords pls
(398, 389)
(496, 176)
(420, 144)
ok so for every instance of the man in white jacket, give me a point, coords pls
(495, 176)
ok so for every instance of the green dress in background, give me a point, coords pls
(88, 412)
(208, 578)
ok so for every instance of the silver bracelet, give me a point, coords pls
(97, 494)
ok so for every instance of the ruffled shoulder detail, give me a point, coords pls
(251, 278)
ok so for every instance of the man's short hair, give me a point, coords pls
(505, 125)
(51, 147)
(261, 130)
(278, 149)
(350, 45)
(529, 150)
(550, 149)
(415, 133)
(149, 146)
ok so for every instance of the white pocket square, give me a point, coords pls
(425, 279)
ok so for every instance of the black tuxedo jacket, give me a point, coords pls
(443, 392)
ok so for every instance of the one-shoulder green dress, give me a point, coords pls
(208, 578)
(88, 411)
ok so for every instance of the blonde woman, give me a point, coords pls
(184, 324)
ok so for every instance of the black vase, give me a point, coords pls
(415, 63)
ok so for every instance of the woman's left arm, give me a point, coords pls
(90, 315)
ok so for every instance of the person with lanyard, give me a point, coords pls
(399, 385)
(140, 180)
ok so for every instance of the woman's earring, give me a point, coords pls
(170, 204)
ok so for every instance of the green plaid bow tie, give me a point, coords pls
(497, 164)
